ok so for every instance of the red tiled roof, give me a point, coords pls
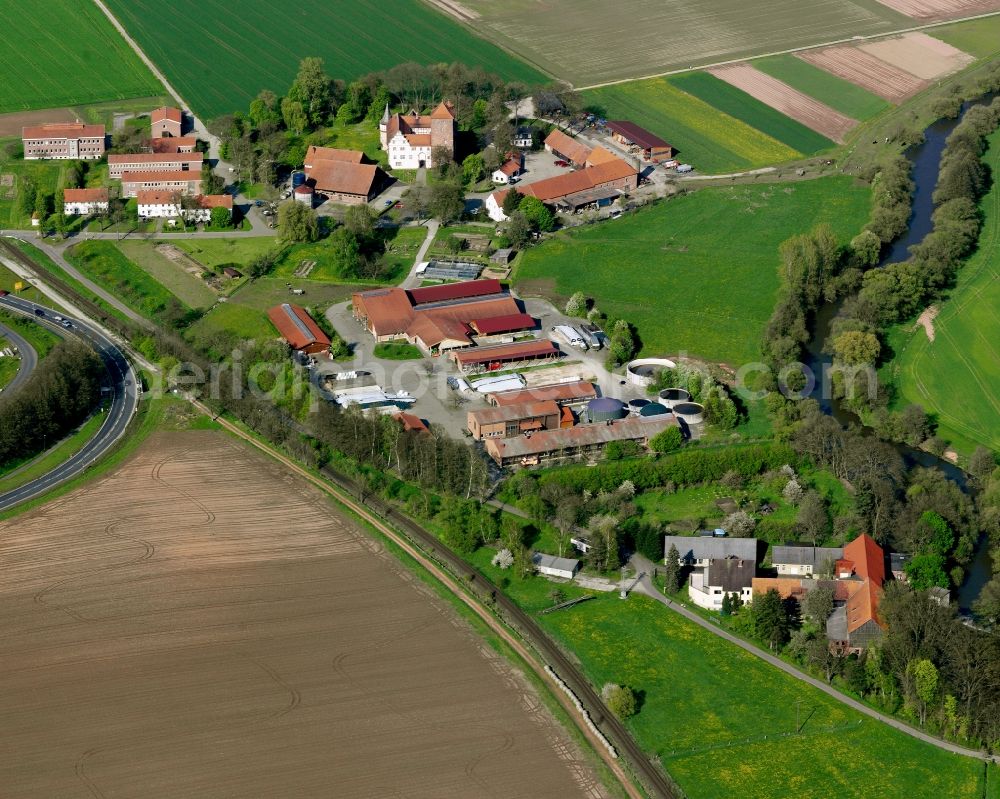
(171, 144)
(510, 168)
(862, 607)
(216, 201)
(62, 130)
(315, 153)
(605, 172)
(160, 176)
(503, 324)
(636, 135)
(575, 151)
(165, 112)
(868, 557)
(513, 413)
(155, 158)
(561, 392)
(344, 177)
(156, 197)
(85, 195)
(444, 110)
(600, 155)
(455, 291)
(296, 326)
(505, 352)
(410, 422)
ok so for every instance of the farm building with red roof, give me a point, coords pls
(298, 328)
(630, 135)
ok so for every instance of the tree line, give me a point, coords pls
(62, 392)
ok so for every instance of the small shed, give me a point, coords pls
(232, 272)
(552, 566)
(503, 256)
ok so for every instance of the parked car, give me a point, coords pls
(258, 203)
(388, 203)
(685, 168)
(560, 162)
(4, 292)
(671, 164)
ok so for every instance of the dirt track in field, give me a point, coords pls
(790, 102)
(11, 124)
(867, 71)
(941, 9)
(199, 624)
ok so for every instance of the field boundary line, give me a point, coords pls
(790, 50)
(139, 52)
(446, 579)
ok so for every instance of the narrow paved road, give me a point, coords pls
(413, 279)
(22, 265)
(645, 586)
(122, 393)
(28, 358)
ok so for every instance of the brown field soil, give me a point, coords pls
(11, 124)
(199, 623)
(790, 102)
(919, 54)
(867, 71)
(941, 9)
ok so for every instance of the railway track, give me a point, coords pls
(530, 641)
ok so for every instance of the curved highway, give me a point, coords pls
(121, 384)
(29, 358)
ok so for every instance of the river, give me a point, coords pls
(926, 160)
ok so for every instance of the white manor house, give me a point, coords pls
(411, 139)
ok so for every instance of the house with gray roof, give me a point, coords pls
(804, 561)
(697, 551)
(722, 576)
(553, 566)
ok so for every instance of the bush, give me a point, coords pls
(667, 440)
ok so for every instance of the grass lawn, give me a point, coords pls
(713, 142)
(216, 252)
(980, 37)
(66, 449)
(102, 262)
(232, 317)
(396, 351)
(188, 288)
(265, 292)
(955, 377)
(36, 335)
(66, 52)
(742, 106)
(9, 365)
(402, 248)
(7, 281)
(696, 274)
(46, 175)
(836, 92)
(722, 720)
(361, 136)
(261, 46)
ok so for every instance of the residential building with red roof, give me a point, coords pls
(120, 163)
(83, 202)
(155, 204)
(508, 171)
(161, 180)
(63, 140)
(298, 328)
(165, 121)
(410, 140)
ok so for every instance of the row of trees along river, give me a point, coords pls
(925, 159)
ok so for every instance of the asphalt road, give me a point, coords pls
(29, 358)
(122, 389)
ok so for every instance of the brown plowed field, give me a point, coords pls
(11, 124)
(919, 54)
(200, 624)
(867, 71)
(941, 9)
(790, 102)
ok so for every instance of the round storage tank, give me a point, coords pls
(298, 178)
(604, 409)
(653, 409)
(690, 412)
(671, 396)
(304, 195)
(636, 405)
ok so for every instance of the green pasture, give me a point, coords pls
(723, 722)
(713, 142)
(956, 376)
(397, 351)
(220, 252)
(188, 288)
(837, 93)
(737, 103)
(63, 53)
(219, 58)
(106, 265)
(48, 177)
(697, 274)
(978, 37)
